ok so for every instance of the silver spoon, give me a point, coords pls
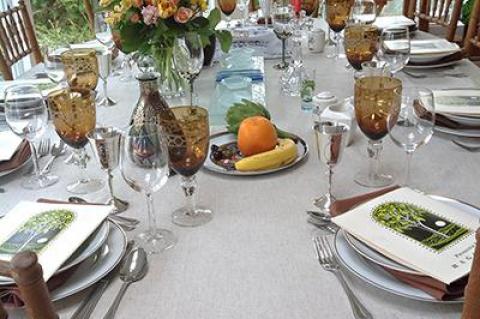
(129, 220)
(134, 269)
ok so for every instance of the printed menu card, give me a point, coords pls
(52, 231)
(416, 231)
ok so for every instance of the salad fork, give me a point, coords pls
(43, 147)
(329, 263)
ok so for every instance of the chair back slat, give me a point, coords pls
(17, 38)
(471, 43)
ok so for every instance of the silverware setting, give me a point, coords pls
(434, 74)
(57, 150)
(43, 148)
(134, 269)
(329, 263)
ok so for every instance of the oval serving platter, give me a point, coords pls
(222, 138)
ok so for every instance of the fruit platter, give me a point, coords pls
(252, 144)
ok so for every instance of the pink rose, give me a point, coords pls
(183, 15)
(150, 15)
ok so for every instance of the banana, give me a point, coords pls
(284, 153)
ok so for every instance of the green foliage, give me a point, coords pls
(50, 220)
(60, 22)
(398, 216)
(467, 8)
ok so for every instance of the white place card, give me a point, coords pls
(465, 101)
(52, 231)
(9, 144)
(416, 231)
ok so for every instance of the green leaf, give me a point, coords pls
(132, 37)
(214, 18)
(199, 22)
(225, 38)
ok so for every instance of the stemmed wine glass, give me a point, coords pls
(395, 47)
(105, 67)
(52, 63)
(364, 11)
(337, 12)
(188, 139)
(188, 58)
(377, 100)
(103, 32)
(243, 8)
(27, 115)
(282, 15)
(81, 68)
(227, 7)
(360, 43)
(144, 166)
(415, 123)
(73, 112)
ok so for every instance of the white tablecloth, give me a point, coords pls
(256, 259)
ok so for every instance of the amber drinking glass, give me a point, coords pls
(361, 44)
(73, 113)
(81, 68)
(188, 139)
(227, 7)
(337, 12)
(377, 101)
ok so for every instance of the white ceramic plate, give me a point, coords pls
(225, 137)
(91, 245)
(463, 119)
(97, 266)
(376, 275)
(428, 58)
(431, 66)
(460, 132)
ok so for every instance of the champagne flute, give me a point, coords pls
(282, 14)
(415, 123)
(395, 47)
(81, 68)
(27, 116)
(73, 113)
(103, 32)
(360, 43)
(227, 7)
(188, 139)
(337, 12)
(188, 58)
(105, 68)
(377, 101)
(144, 166)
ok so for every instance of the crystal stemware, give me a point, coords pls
(337, 13)
(104, 70)
(282, 14)
(415, 123)
(103, 32)
(27, 115)
(377, 101)
(73, 112)
(395, 47)
(331, 140)
(227, 7)
(144, 166)
(81, 68)
(188, 139)
(364, 11)
(52, 63)
(188, 58)
(243, 8)
(360, 43)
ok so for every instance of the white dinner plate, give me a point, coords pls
(96, 267)
(375, 275)
(431, 66)
(91, 245)
(463, 119)
(225, 137)
(457, 132)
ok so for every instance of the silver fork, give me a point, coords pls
(329, 263)
(43, 147)
(56, 151)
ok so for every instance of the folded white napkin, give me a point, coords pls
(9, 144)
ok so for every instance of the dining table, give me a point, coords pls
(256, 258)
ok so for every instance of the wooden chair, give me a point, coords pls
(471, 43)
(28, 275)
(90, 15)
(17, 38)
(444, 13)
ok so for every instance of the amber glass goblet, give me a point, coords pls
(81, 68)
(377, 101)
(188, 139)
(73, 113)
(337, 12)
(361, 44)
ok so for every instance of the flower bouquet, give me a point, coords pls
(151, 27)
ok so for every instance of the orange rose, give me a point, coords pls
(135, 18)
(183, 15)
(138, 3)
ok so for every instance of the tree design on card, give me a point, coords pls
(38, 231)
(419, 224)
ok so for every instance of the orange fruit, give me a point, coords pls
(256, 134)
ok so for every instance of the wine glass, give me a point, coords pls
(395, 47)
(73, 113)
(360, 43)
(81, 68)
(243, 8)
(377, 101)
(282, 14)
(27, 116)
(364, 11)
(337, 12)
(103, 32)
(227, 7)
(144, 166)
(188, 58)
(415, 123)
(188, 137)
(105, 68)
(52, 63)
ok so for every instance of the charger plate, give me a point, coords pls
(368, 266)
